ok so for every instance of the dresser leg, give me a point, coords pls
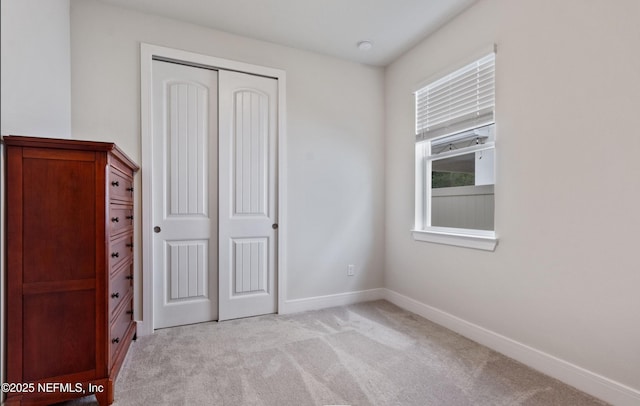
(103, 398)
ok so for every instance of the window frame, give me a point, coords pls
(423, 230)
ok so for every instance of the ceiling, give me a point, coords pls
(332, 27)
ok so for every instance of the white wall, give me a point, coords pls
(35, 58)
(334, 128)
(565, 276)
(36, 86)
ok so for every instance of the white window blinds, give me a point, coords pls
(459, 101)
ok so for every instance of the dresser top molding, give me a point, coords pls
(60, 143)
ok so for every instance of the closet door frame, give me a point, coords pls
(147, 53)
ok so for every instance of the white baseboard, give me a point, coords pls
(587, 381)
(580, 378)
(323, 302)
(304, 304)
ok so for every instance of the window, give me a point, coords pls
(455, 151)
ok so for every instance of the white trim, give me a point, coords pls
(587, 381)
(145, 325)
(479, 242)
(423, 231)
(323, 302)
(147, 52)
(281, 259)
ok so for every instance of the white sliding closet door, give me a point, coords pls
(248, 172)
(185, 194)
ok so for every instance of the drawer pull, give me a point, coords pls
(130, 217)
(115, 219)
(115, 254)
(115, 340)
(129, 245)
(130, 189)
(130, 277)
(115, 183)
(115, 295)
(129, 312)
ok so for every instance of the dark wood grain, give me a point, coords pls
(59, 219)
(59, 334)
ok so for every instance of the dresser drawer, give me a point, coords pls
(119, 328)
(120, 186)
(120, 251)
(120, 218)
(120, 286)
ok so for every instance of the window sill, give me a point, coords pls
(486, 242)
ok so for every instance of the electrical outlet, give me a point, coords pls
(351, 270)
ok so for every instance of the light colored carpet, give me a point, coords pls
(365, 354)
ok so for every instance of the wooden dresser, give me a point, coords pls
(69, 210)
